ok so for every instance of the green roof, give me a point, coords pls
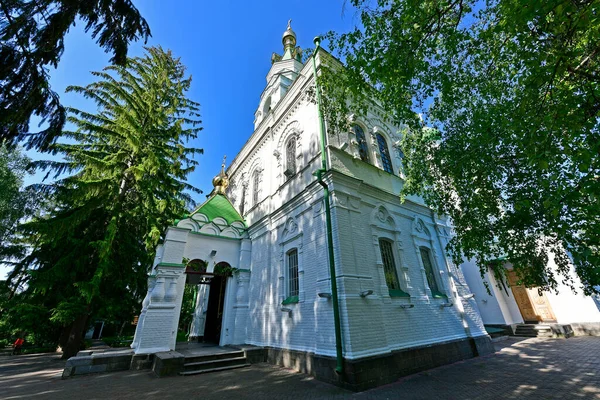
(219, 206)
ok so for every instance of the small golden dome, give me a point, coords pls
(289, 36)
(221, 181)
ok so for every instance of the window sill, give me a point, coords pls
(437, 295)
(290, 300)
(398, 293)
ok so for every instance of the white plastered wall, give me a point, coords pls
(497, 307)
(570, 307)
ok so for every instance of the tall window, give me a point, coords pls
(292, 265)
(243, 202)
(363, 150)
(429, 273)
(255, 187)
(389, 268)
(386, 161)
(290, 157)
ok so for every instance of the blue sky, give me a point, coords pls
(226, 47)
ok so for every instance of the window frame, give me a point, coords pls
(290, 156)
(255, 187)
(437, 291)
(384, 152)
(290, 240)
(292, 275)
(362, 144)
(388, 259)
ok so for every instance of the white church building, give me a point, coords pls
(259, 250)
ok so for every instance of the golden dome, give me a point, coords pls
(221, 181)
(289, 36)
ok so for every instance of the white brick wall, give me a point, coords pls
(290, 213)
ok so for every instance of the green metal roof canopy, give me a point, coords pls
(219, 206)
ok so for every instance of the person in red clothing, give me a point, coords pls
(17, 346)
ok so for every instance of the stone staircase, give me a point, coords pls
(202, 364)
(534, 330)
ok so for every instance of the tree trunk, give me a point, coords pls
(75, 338)
(122, 327)
(64, 336)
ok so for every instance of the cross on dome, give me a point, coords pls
(221, 181)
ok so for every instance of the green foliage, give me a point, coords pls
(21, 315)
(188, 306)
(128, 162)
(182, 336)
(13, 199)
(32, 39)
(510, 91)
(118, 341)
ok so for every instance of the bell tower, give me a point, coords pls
(284, 70)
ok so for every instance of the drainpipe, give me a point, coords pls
(319, 174)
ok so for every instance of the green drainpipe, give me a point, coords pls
(319, 173)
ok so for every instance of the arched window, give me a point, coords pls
(290, 158)
(267, 107)
(255, 187)
(429, 272)
(386, 160)
(243, 201)
(389, 269)
(292, 273)
(363, 150)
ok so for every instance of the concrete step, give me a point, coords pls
(216, 356)
(533, 330)
(205, 371)
(211, 364)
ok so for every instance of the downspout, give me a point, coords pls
(319, 174)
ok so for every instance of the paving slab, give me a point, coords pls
(520, 369)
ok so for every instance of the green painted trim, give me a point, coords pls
(437, 295)
(171, 265)
(290, 300)
(243, 270)
(339, 357)
(398, 293)
(215, 236)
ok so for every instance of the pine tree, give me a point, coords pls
(129, 161)
(32, 37)
(13, 200)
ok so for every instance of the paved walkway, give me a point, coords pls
(520, 369)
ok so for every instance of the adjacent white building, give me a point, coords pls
(403, 305)
(509, 304)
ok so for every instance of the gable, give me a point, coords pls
(219, 207)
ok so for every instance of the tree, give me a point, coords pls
(91, 251)
(13, 200)
(32, 39)
(509, 141)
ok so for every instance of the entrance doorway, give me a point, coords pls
(533, 306)
(214, 311)
(208, 303)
